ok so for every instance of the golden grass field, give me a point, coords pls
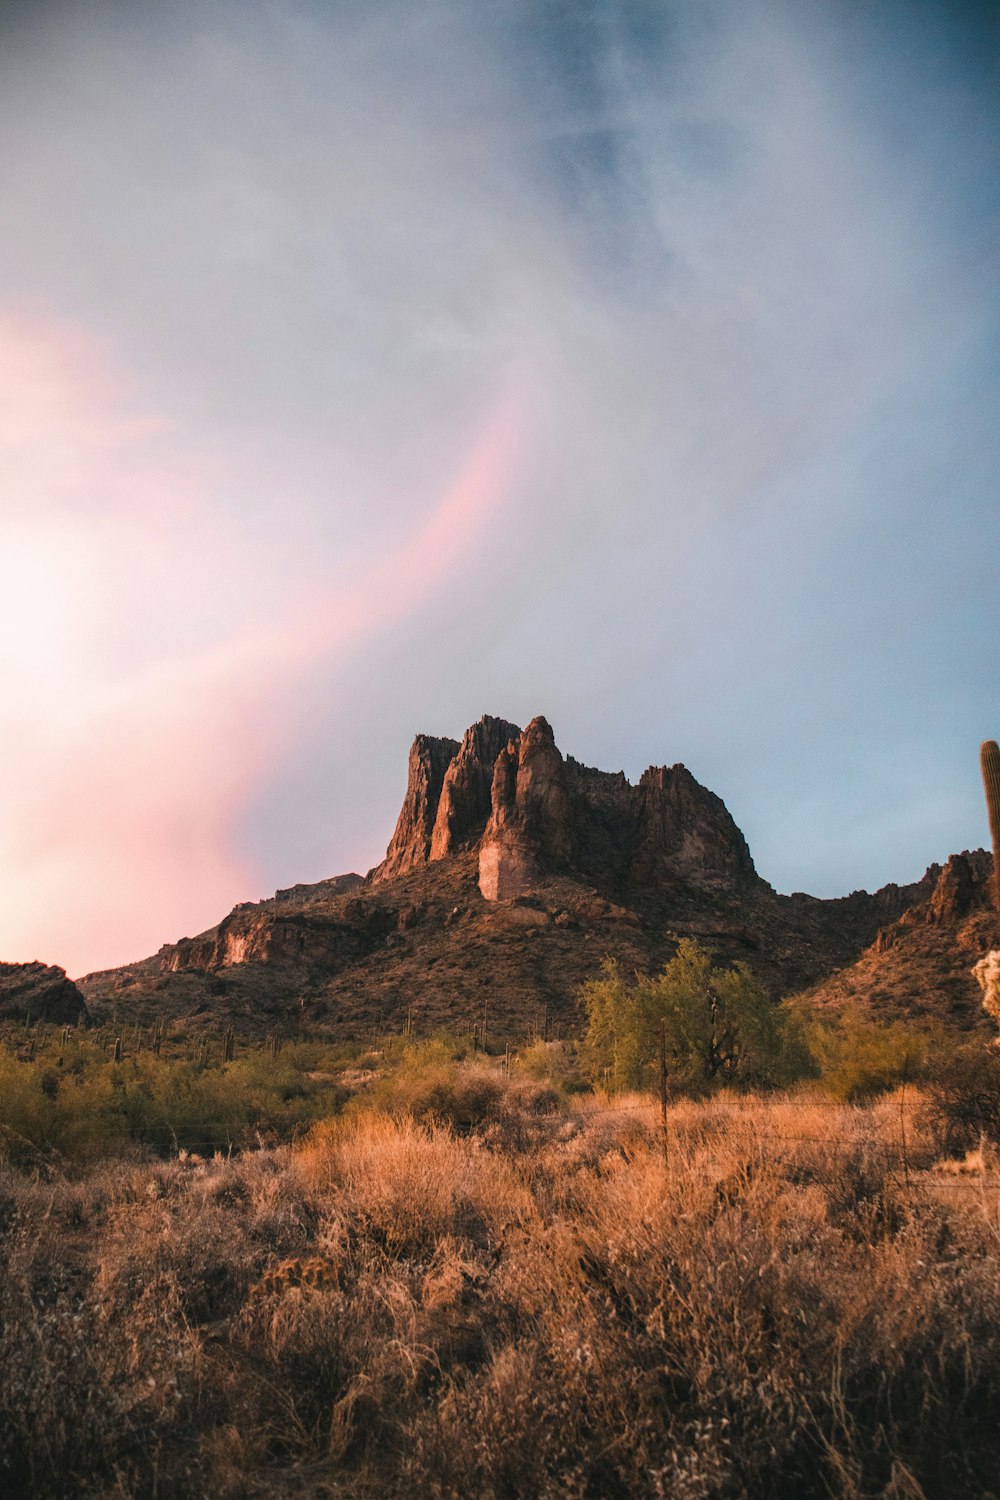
(550, 1296)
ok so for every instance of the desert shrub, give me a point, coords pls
(439, 1081)
(962, 1097)
(858, 1059)
(716, 1026)
(437, 1090)
(555, 1063)
(753, 1304)
(78, 1104)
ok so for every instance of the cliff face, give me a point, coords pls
(464, 807)
(534, 813)
(410, 845)
(530, 831)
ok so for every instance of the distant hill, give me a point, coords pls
(920, 966)
(513, 870)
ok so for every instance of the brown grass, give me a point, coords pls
(766, 1303)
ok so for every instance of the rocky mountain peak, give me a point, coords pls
(531, 813)
(465, 802)
(410, 845)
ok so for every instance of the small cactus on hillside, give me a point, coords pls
(989, 757)
(987, 970)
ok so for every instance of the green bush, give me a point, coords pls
(716, 1026)
(74, 1100)
(857, 1058)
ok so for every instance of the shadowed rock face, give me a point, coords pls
(531, 827)
(41, 992)
(957, 890)
(685, 832)
(554, 816)
(464, 808)
(534, 813)
(410, 845)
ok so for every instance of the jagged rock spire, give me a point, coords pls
(534, 813)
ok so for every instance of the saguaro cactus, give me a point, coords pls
(989, 759)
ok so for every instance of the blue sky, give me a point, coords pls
(369, 368)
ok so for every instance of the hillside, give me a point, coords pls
(512, 872)
(921, 964)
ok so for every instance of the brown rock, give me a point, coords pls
(40, 992)
(320, 890)
(465, 804)
(531, 823)
(956, 891)
(410, 845)
(921, 964)
(685, 832)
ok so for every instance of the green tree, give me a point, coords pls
(716, 1025)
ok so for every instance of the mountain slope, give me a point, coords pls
(921, 964)
(511, 873)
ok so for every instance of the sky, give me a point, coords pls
(366, 368)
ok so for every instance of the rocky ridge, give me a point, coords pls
(512, 871)
(39, 992)
(920, 964)
(531, 812)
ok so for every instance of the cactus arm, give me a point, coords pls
(989, 758)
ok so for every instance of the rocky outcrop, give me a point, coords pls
(549, 815)
(293, 934)
(535, 814)
(957, 889)
(320, 890)
(447, 802)
(39, 992)
(986, 973)
(921, 963)
(684, 832)
(465, 804)
(531, 826)
(410, 845)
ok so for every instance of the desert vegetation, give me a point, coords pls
(447, 1274)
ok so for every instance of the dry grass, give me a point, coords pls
(761, 1305)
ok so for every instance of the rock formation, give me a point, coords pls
(410, 845)
(39, 992)
(922, 962)
(534, 813)
(986, 973)
(531, 826)
(511, 872)
(464, 807)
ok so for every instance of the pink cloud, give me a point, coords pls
(148, 695)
